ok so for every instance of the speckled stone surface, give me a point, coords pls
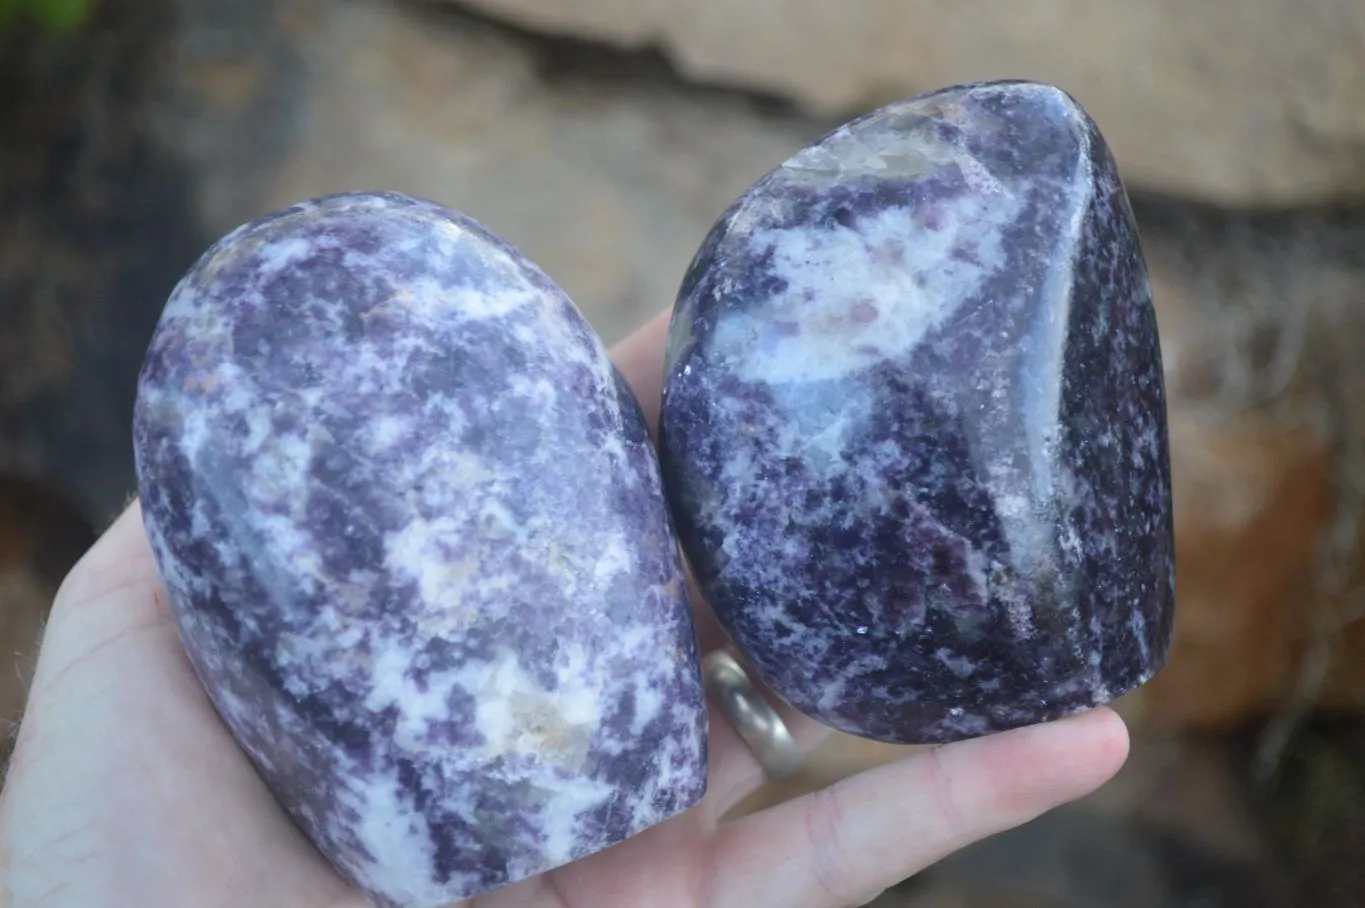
(413, 532)
(914, 429)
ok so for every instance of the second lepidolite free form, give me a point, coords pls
(914, 423)
(412, 529)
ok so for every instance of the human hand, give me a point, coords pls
(125, 788)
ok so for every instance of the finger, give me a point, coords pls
(846, 844)
(739, 773)
(119, 735)
(112, 591)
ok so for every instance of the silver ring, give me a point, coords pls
(757, 722)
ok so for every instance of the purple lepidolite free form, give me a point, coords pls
(914, 423)
(413, 532)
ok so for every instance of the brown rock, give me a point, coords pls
(1261, 323)
(1266, 106)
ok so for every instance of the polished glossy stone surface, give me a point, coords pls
(914, 428)
(412, 527)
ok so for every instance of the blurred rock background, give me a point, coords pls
(604, 137)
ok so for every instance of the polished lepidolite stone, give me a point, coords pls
(411, 525)
(914, 428)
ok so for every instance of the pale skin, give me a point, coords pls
(127, 790)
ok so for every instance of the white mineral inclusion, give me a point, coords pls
(863, 296)
(871, 293)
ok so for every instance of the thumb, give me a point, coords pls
(110, 607)
(125, 787)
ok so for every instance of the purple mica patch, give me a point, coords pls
(914, 422)
(413, 532)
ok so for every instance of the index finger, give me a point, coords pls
(846, 844)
